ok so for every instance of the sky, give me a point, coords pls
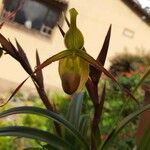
(145, 3)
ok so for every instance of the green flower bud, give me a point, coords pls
(73, 38)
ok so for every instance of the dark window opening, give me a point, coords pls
(35, 14)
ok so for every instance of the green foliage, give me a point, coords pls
(128, 82)
(127, 64)
(61, 102)
(7, 143)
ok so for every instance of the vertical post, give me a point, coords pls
(144, 120)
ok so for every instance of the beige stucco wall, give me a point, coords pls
(93, 20)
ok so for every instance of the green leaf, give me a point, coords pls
(35, 134)
(50, 115)
(84, 125)
(73, 115)
(121, 125)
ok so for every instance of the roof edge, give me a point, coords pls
(137, 9)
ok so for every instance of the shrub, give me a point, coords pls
(128, 64)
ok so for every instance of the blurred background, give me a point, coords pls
(35, 27)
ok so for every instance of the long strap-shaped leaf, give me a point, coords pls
(36, 134)
(74, 110)
(120, 126)
(50, 115)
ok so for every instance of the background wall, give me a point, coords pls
(93, 20)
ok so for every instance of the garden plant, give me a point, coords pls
(80, 73)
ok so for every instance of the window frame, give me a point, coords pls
(61, 6)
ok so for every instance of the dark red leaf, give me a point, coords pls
(92, 90)
(67, 21)
(61, 31)
(22, 54)
(7, 47)
(15, 91)
(19, 58)
(94, 73)
(39, 73)
(1, 25)
(102, 99)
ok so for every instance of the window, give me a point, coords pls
(41, 15)
(128, 33)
